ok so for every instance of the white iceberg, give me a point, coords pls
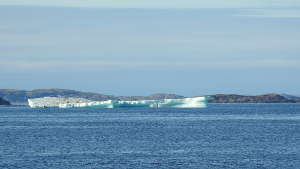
(54, 101)
(194, 102)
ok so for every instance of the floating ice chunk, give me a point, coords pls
(195, 102)
(54, 101)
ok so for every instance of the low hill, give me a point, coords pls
(266, 98)
(4, 102)
(288, 96)
(19, 97)
(156, 96)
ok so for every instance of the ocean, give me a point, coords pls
(220, 136)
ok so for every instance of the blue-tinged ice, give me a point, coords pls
(194, 102)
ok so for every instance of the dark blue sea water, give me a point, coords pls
(221, 136)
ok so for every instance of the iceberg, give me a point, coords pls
(194, 102)
(54, 101)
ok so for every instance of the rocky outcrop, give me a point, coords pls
(20, 97)
(158, 96)
(4, 102)
(233, 98)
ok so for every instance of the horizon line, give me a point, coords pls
(217, 93)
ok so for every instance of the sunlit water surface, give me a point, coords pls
(220, 136)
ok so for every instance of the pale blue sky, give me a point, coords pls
(144, 51)
(158, 3)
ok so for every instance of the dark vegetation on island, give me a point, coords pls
(4, 102)
(19, 97)
(266, 98)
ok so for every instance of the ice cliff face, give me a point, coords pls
(54, 101)
(195, 102)
(183, 103)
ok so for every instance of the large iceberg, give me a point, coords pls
(194, 102)
(55, 101)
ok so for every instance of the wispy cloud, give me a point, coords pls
(272, 13)
(156, 3)
(191, 49)
(98, 65)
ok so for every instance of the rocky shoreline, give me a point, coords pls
(266, 98)
(4, 102)
(19, 97)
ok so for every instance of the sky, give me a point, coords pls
(132, 47)
(157, 3)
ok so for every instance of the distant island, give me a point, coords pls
(266, 98)
(19, 97)
(4, 102)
